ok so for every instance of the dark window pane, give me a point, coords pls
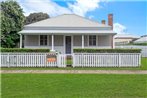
(92, 40)
(41, 42)
(43, 39)
(45, 42)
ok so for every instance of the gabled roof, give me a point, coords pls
(141, 40)
(67, 20)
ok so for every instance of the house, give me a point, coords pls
(66, 32)
(142, 39)
(122, 39)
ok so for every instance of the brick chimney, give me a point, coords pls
(103, 21)
(110, 20)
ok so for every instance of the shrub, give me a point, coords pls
(107, 50)
(23, 50)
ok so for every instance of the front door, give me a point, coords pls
(68, 44)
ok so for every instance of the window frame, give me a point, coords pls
(92, 40)
(44, 39)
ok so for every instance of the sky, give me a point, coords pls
(129, 16)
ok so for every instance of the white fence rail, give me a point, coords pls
(106, 59)
(79, 60)
(31, 60)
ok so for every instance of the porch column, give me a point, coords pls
(20, 42)
(113, 43)
(52, 42)
(82, 41)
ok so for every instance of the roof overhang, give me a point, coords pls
(63, 32)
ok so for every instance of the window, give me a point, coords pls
(92, 40)
(43, 40)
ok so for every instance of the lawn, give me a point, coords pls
(142, 67)
(73, 86)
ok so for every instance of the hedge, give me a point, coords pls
(23, 50)
(107, 50)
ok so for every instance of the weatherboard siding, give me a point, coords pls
(32, 41)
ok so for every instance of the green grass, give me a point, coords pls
(69, 62)
(142, 67)
(73, 86)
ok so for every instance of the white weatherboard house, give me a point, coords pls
(66, 32)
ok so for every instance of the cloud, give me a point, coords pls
(119, 28)
(79, 7)
(91, 16)
(46, 6)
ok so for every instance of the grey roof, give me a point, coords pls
(67, 24)
(126, 36)
(141, 40)
(67, 20)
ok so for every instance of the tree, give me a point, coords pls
(12, 21)
(34, 17)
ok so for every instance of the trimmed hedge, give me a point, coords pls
(107, 50)
(23, 50)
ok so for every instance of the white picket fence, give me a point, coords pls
(30, 60)
(106, 59)
(79, 60)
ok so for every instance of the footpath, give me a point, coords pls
(77, 71)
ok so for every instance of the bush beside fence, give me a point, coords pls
(23, 50)
(107, 50)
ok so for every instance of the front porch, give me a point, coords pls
(66, 43)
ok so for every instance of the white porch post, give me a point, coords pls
(20, 43)
(52, 42)
(82, 41)
(113, 42)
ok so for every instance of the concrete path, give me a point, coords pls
(78, 71)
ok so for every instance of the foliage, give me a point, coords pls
(34, 17)
(139, 44)
(107, 50)
(23, 50)
(12, 20)
(73, 86)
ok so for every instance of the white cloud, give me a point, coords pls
(46, 6)
(79, 7)
(91, 16)
(119, 28)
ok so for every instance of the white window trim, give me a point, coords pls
(96, 41)
(47, 41)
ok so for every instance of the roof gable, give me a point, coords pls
(67, 20)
